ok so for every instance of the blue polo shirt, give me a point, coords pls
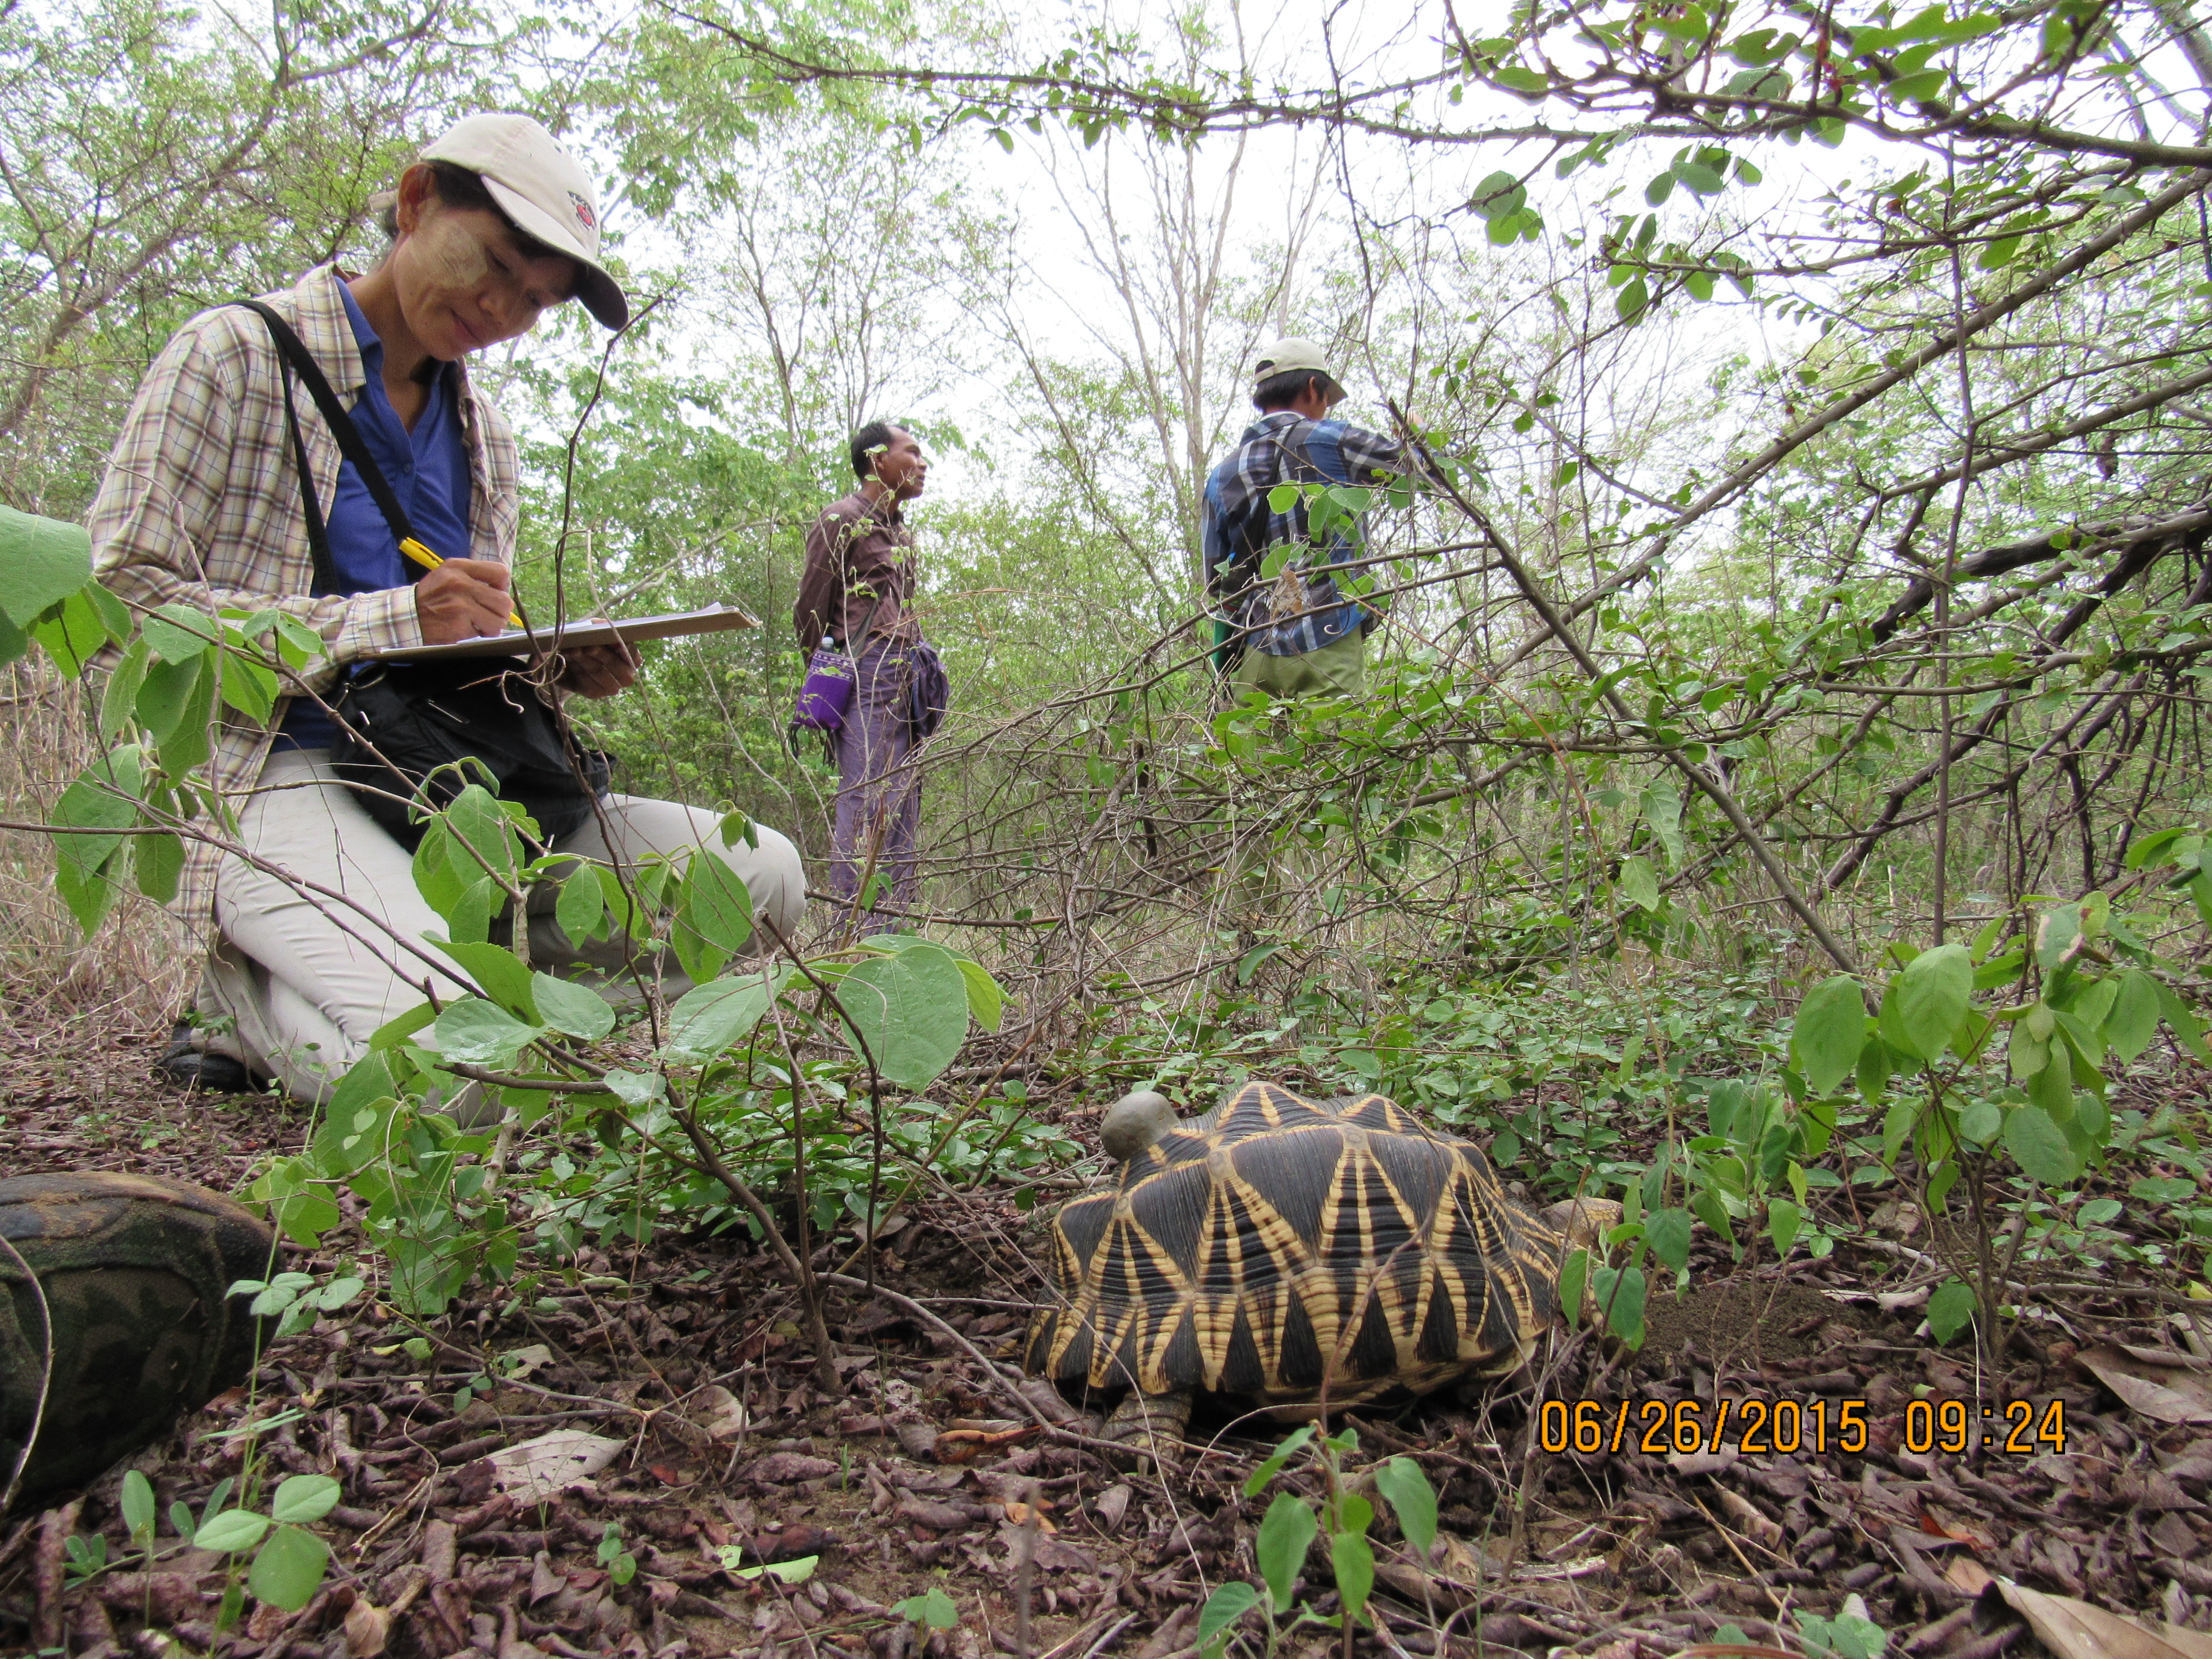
(428, 470)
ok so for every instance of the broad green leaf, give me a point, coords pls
(304, 1497)
(987, 998)
(2058, 935)
(1661, 806)
(42, 562)
(1639, 883)
(177, 633)
(577, 1009)
(1620, 1293)
(582, 905)
(289, 1569)
(1981, 1121)
(1413, 1500)
(2133, 1021)
(638, 1089)
(714, 916)
(159, 859)
(73, 633)
(1829, 1033)
(490, 845)
(232, 1531)
(708, 1018)
(933, 1607)
(1932, 994)
(789, 1573)
(497, 973)
(911, 1009)
(1229, 1603)
(480, 1033)
(1286, 1531)
(1667, 1232)
(2040, 1146)
(1950, 1309)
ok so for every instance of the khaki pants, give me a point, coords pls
(308, 981)
(1341, 668)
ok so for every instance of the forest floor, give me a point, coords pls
(686, 1354)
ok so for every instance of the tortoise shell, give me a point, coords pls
(1279, 1244)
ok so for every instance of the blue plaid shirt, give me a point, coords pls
(1291, 615)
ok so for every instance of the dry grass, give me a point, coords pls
(139, 966)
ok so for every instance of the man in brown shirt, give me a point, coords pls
(854, 590)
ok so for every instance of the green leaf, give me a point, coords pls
(2040, 1146)
(1273, 1466)
(1286, 1531)
(479, 1033)
(710, 1017)
(1981, 1121)
(159, 860)
(177, 633)
(987, 998)
(1639, 883)
(1354, 1557)
(73, 634)
(2133, 1021)
(1667, 1233)
(289, 1569)
(1228, 1603)
(1413, 1500)
(2058, 935)
(1875, 1067)
(232, 1531)
(933, 1607)
(713, 917)
(1783, 1219)
(1283, 497)
(1661, 806)
(497, 973)
(1702, 180)
(1574, 1275)
(582, 905)
(2183, 1019)
(42, 562)
(138, 1509)
(1620, 1292)
(1829, 1033)
(576, 1010)
(303, 1498)
(1950, 1309)
(911, 1009)
(790, 1573)
(1932, 994)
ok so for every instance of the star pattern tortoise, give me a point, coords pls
(1285, 1250)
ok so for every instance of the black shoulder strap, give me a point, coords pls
(295, 353)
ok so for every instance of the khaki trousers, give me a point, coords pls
(306, 981)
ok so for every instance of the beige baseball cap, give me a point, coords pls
(1292, 355)
(545, 190)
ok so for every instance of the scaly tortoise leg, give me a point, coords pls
(1149, 1425)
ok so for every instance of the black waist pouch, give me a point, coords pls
(414, 735)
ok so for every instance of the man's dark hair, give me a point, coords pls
(876, 435)
(458, 186)
(1281, 391)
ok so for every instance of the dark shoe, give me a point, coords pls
(188, 1068)
(135, 1270)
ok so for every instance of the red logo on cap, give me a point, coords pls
(583, 211)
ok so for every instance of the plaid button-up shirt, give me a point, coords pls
(200, 505)
(1282, 446)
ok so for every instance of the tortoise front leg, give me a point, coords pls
(1149, 1425)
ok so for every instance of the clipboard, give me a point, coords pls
(627, 630)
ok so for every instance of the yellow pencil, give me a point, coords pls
(430, 561)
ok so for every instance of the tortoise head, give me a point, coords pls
(1135, 1122)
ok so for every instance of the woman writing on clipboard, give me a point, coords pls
(203, 504)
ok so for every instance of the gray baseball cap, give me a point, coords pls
(545, 190)
(1292, 355)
